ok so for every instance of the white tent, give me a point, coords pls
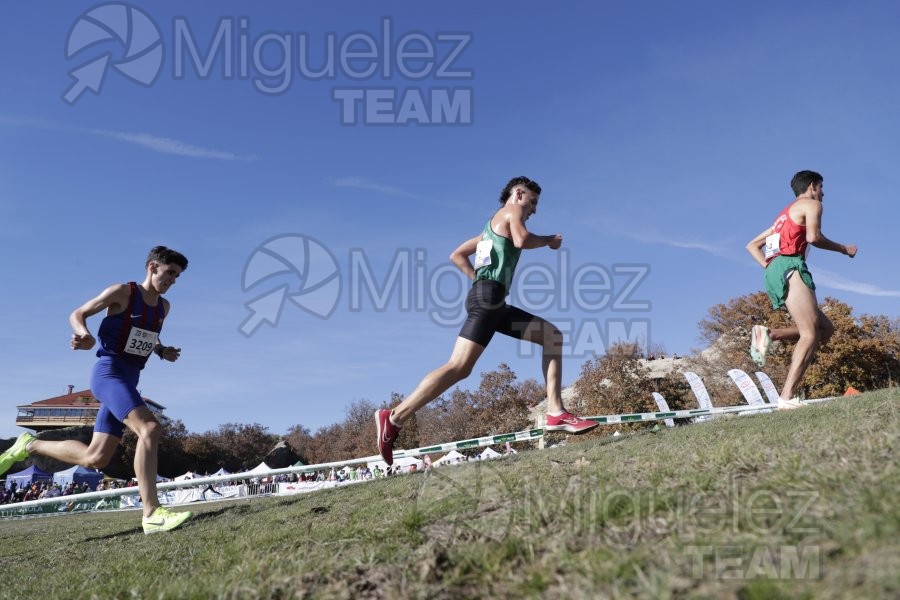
(260, 468)
(221, 471)
(188, 475)
(450, 458)
(489, 453)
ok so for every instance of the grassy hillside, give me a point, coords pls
(800, 504)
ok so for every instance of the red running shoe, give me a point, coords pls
(387, 434)
(569, 423)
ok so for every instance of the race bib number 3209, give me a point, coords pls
(141, 342)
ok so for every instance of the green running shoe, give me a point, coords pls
(163, 519)
(16, 453)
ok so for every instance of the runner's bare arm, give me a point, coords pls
(460, 256)
(755, 246)
(815, 236)
(169, 353)
(115, 298)
(524, 239)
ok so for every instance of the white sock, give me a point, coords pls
(555, 414)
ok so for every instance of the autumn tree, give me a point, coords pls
(616, 383)
(321, 446)
(499, 406)
(448, 418)
(202, 453)
(863, 352)
(355, 435)
(532, 392)
(300, 440)
(241, 447)
(676, 390)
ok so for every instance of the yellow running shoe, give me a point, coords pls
(163, 519)
(16, 453)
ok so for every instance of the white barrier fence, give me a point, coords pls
(187, 488)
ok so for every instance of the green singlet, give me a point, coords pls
(496, 257)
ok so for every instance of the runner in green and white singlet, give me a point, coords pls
(496, 258)
(496, 250)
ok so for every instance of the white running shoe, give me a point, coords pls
(759, 344)
(789, 404)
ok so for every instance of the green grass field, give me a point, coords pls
(799, 504)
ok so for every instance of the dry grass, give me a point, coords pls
(788, 505)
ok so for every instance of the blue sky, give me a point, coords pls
(664, 136)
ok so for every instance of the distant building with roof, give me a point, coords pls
(70, 410)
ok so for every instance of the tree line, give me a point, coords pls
(864, 353)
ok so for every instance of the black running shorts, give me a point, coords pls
(489, 313)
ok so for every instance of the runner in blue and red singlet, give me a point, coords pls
(129, 334)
